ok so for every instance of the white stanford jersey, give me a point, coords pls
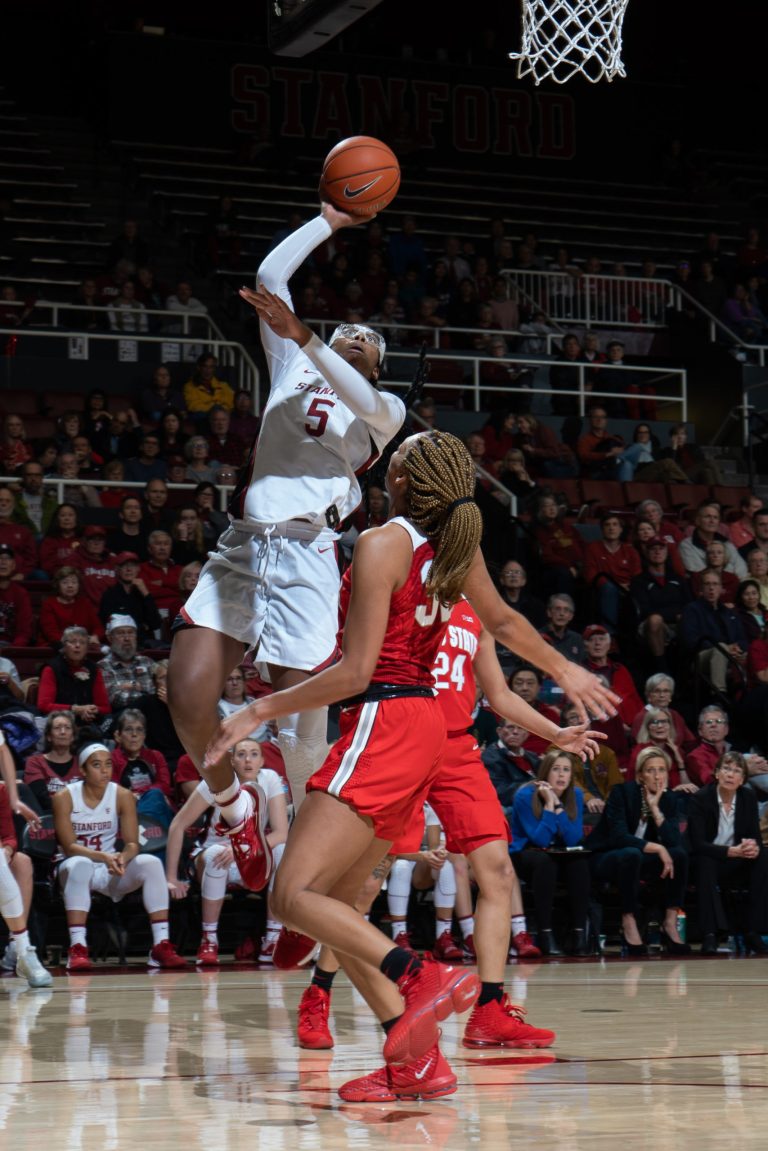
(453, 672)
(95, 827)
(323, 424)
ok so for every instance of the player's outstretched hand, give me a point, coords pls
(230, 731)
(579, 741)
(588, 693)
(338, 219)
(273, 311)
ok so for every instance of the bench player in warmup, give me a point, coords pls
(468, 809)
(273, 582)
(378, 774)
(88, 817)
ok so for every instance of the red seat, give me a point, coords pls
(685, 496)
(21, 404)
(569, 488)
(28, 660)
(39, 428)
(636, 491)
(603, 495)
(728, 497)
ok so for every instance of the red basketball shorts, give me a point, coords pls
(385, 761)
(464, 799)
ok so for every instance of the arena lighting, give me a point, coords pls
(298, 27)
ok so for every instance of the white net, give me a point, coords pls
(566, 38)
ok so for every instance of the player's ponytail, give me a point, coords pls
(441, 478)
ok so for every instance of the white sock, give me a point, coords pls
(273, 928)
(467, 926)
(518, 924)
(159, 931)
(235, 805)
(22, 940)
(398, 926)
(211, 932)
(77, 935)
(443, 925)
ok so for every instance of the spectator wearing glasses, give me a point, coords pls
(724, 830)
(513, 581)
(713, 730)
(35, 504)
(558, 632)
(658, 730)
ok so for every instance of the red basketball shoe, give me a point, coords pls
(501, 1024)
(431, 993)
(165, 955)
(78, 958)
(445, 948)
(403, 939)
(521, 946)
(253, 855)
(428, 1077)
(207, 953)
(313, 1031)
(292, 949)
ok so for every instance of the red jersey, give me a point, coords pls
(453, 671)
(416, 621)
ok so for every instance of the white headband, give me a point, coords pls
(88, 751)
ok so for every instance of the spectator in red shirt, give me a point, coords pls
(713, 729)
(741, 532)
(96, 566)
(561, 549)
(61, 542)
(14, 449)
(15, 604)
(56, 765)
(72, 682)
(597, 642)
(526, 682)
(609, 566)
(68, 608)
(159, 573)
(134, 765)
(16, 536)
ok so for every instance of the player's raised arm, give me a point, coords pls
(583, 688)
(506, 703)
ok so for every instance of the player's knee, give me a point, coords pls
(284, 898)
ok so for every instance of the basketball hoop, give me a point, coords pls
(566, 38)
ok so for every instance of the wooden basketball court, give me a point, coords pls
(652, 1054)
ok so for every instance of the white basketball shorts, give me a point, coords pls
(276, 590)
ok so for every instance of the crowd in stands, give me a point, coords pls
(96, 574)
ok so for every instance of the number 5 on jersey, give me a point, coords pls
(316, 411)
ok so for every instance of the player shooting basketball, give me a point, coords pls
(273, 582)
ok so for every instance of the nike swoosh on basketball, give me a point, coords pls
(353, 193)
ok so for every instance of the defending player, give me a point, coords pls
(469, 811)
(378, 774)
(273, 581)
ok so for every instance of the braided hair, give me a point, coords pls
(441, 478)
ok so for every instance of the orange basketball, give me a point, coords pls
(361, 175)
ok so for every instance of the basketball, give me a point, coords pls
(361, 175)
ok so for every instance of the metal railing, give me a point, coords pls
(243, 372)
(582, 298)
(59, 484)
(718, 329)
(472, 365)
(187, 323)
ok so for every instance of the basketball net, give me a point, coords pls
(566, 38)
